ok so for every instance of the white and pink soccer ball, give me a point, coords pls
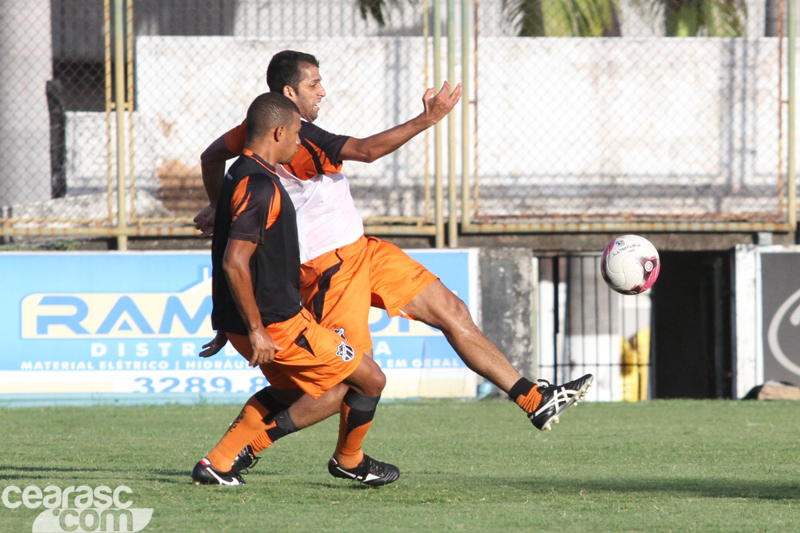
(630, 264)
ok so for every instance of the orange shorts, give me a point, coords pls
(339, 286)
(312, 357)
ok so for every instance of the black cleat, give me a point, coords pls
(369, 471)
(558, 398)
(246, 459)
(205, 474)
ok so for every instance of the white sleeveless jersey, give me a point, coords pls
(326, 214)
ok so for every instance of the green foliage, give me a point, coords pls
(564, 18)
(59, 245)
(690, 18)
(596, 18)
(374, 8)
(65, 246)
(657, 466)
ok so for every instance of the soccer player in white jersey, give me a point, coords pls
(344, 273)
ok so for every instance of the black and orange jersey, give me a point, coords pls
(318, 152)
(253, 206)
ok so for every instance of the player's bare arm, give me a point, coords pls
(436, 107)
(212, 165)
(237, 270)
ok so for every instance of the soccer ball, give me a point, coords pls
(630, 264)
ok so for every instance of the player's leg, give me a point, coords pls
(402, 286)
(286, 394)
(437, 306)
(365, 384)
(262, 421)
(360, 394)
(358, 411)
(279, 400)
(307, 411)
(347, 314)
(316, 360)
(282, 394)
(335, 288)
(265, 416)
(217, 467)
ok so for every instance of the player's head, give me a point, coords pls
(276, 118)
(296, 76)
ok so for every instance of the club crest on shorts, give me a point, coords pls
(346, 352)
(340, 332)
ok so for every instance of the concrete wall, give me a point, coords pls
(508, 284)
(566, 126)
(25, 68)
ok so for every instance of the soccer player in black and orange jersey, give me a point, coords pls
(344, 272)
(257, 303)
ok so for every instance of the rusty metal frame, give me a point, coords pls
(119, 103)
(472, 222)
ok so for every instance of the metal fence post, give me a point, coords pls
(465, 103)
(792, 191)
(452, 219)
(119, 107)
(437, 129)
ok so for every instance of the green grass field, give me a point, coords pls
(471, 466)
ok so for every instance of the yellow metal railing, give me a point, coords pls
(465, 215)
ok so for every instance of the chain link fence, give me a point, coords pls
(661, 116)
(190, 71)
(589, 115)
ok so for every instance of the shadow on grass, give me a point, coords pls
(763, 489)
(153, 473)
(12, 472)
(344, 485)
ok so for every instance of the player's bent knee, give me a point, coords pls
(368, 378)
(379, 379)
(376, 379)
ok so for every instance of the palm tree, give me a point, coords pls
(690, 18)
(374, 8)
(594, 18)
(536, 18)
(564, 18)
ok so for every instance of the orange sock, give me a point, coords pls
(240, 434)
(355, 419)
(247, 425)
(526, 395)
(261, 443)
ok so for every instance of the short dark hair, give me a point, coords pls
(268, 111)
(285, 69)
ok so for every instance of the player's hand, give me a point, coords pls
(204, 221)
(438, 105)
(264, 347)
(216, 344)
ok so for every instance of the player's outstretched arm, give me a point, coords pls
(436, 107)
(212, 165)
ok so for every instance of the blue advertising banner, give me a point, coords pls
(126, 327)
